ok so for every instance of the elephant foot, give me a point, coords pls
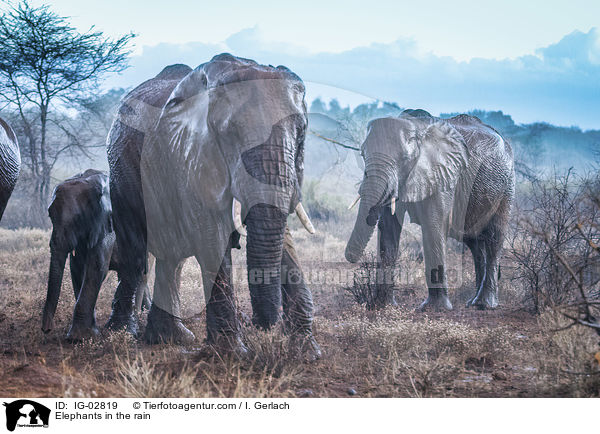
(437, 301)
(79, 332)
(123, 317)
(162, 327)
(484, 301)
(120, 321)
(306, 347)
(228, 344)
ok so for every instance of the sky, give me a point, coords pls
(536, 60)
(459, 28)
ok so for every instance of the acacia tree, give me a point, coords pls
(46, 68)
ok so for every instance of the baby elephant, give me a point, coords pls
(82, 228)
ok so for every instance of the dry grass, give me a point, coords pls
(394, 352)
(569, 366)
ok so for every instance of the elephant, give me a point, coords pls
(10, 163)
(193, 155)
(82, 229)
(454, 177)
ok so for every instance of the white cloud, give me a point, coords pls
(559, 84)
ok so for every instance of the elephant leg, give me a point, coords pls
(143, 300)
(77, 265)
(123, 315)
(222, 323)
(129, 222)
(389, 230)
(164, 320)
(487, 296)
(58, 259)
(5, 193)
(84, 317)
(297, 301)
(478, 250)
(434, 249)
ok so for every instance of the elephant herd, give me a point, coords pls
(201, 157)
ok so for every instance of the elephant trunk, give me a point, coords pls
(266, 226)
(55, 276)
(378, 186)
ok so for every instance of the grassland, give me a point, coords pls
(395, 352)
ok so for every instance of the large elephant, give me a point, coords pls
(82, 229)
(454, 177)
(10, 163)
(193, 154)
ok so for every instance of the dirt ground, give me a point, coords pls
(395, 352)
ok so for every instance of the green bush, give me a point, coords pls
(320, 205)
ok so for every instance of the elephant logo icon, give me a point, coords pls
(26, 413)
(294, 276)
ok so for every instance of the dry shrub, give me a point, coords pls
(427, 376)
(569, 361)
(112, 343)
(117, 359)
(556, 223)
(271, 351)
(232, 379)
(269, 370)
(272, 367)
(395, 346)
(365, 288)
(392, 329)
(555, 247)
(138, 377)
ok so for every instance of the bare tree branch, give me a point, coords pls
(335, 142)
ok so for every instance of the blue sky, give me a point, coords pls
(537, 60)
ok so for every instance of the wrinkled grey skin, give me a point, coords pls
(80, 212)
(454, 177)
(184, 145)
(10, 163)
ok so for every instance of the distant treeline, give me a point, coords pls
(540, 144)
(541, 139)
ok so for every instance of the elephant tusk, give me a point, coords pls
(303, 217)
(354, 203)
(393, 205)
(236, 214)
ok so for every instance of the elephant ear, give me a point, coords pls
(179, 122)
(442, 158)
(189, 87)
(100, 210)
